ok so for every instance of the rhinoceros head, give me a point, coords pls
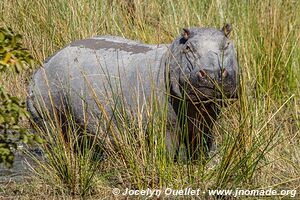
(203, 64)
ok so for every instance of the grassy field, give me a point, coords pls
(258, 137)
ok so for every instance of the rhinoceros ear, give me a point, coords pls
(226, 29)
(185, 35)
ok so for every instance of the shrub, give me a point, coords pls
(13, 58)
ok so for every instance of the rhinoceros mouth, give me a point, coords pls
(215, 101)
(214, 97)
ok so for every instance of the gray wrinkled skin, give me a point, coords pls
(198, 66)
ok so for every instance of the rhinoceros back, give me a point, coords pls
(99, 69)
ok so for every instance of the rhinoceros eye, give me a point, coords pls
(226, 45)
(187, 49)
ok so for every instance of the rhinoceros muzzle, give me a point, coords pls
(207, 86)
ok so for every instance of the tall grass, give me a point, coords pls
(71, 157)
(257, 137)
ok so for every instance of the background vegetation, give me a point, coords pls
(13, 59)
(258, 137)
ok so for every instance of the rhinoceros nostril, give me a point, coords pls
(201, 73)
(224, 73)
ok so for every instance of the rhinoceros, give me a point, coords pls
(198, 69)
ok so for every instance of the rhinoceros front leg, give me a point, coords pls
(172, 134)
(200, 124)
